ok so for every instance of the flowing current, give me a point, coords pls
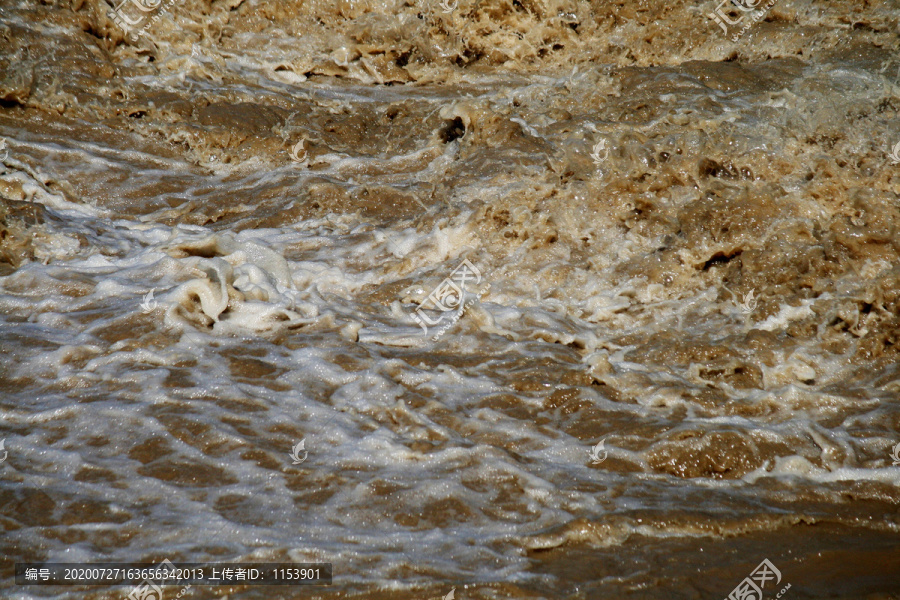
(475, 299)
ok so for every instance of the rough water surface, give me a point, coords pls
(681, 357)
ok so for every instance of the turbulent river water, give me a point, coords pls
(477, 299)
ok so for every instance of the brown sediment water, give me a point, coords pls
(671, 355)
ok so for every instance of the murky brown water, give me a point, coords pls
(682, 245)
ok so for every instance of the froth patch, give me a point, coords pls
(241, 282)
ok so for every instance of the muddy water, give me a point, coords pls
(672, 353)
